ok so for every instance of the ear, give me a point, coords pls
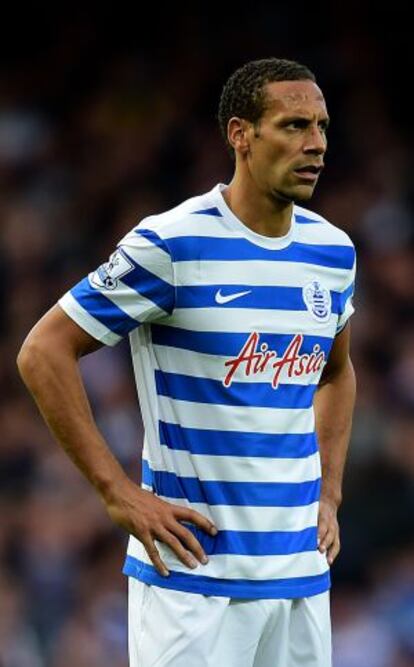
(238, 135)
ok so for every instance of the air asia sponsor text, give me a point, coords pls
(254, 359)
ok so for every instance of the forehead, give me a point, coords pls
(294, 96)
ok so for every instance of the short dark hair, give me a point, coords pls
(243, 94)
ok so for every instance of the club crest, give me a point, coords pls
(108, 274)
(318, 301)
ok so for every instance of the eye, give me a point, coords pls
(297, 124)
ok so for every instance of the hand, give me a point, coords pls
(328, 530)
(149, 518)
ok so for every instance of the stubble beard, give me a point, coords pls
(289, 197)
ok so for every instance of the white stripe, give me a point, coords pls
(258, 273)
(304, 564)
(229, 418)
(311, 215)
(185, 222)
(91, 325)
(135, 242)
(241, 320)
(313, 234)
(182, 214)
(143, 361)
(241, 517)
(324, 234)
(197, 224)
(198, 364)
(149, 256)
(131, 302)
(349, 307)
(209, 468)
(214, 227)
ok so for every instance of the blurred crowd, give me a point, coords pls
(102, 125)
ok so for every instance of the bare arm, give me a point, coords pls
(334, 404)
(48, 364)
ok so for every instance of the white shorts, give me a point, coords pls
(170, 628)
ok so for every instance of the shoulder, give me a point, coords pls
(314, 228)
(195, 216)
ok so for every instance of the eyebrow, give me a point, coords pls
(302, 116)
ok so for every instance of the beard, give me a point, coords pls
(292, 195)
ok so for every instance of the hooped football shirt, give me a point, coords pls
(229, 332)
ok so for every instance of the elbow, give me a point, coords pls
(32, 354)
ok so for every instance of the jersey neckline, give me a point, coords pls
(271, 242)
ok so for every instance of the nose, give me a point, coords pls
(315, 141)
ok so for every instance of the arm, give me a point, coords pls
(48, 364)
(334, 404)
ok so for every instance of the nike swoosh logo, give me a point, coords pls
(225, 298)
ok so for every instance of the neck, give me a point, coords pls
(263, 214)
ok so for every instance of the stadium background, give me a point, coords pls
(107, 115)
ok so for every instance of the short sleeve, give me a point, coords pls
(346, 306)
(134, 286)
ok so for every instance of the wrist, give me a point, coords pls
(331, 497)
(109, 486)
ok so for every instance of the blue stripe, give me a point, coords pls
(293, 587)
(248, 543)
(228, 344)
(304, 220)
(149, 286)
(189, 248)
(237, 443)
(147, 474)
(153, 238)
(102, 309)
(249, 394)
(213, 211)
(252, 494)
(259, 297)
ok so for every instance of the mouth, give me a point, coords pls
(309, 172)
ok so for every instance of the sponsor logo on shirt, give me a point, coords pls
(255, 358)
(225, 298)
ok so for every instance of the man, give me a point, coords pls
(236, 303)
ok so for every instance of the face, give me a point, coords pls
(285, 149)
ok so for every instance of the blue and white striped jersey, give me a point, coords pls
(229, 332)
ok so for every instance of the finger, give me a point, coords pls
(187, 514)
(191, 542)
(323, 528)
(334, 550)
(185, 557)
(327, 540)
(155, 557)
